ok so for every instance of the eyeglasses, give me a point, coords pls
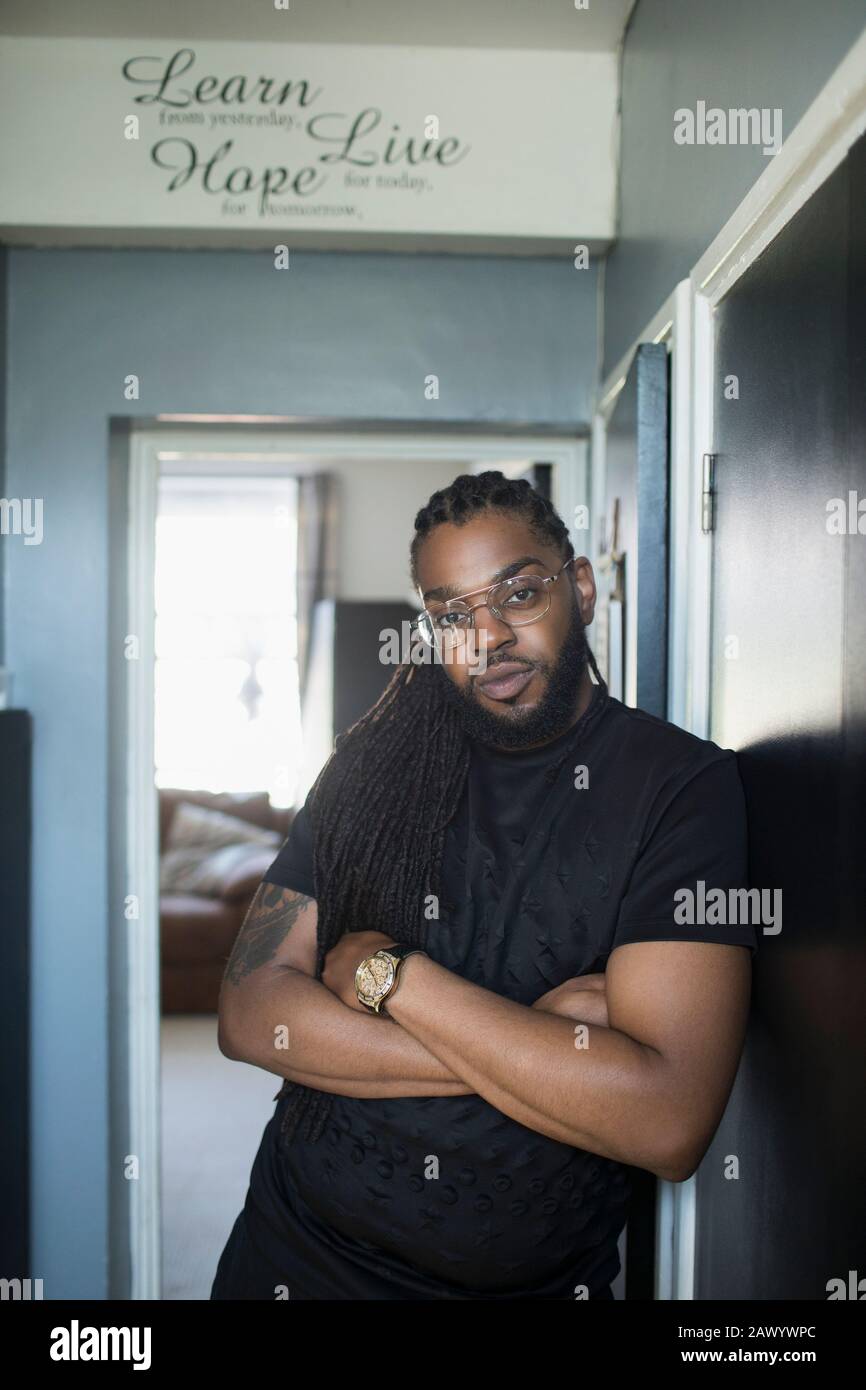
(518, 601)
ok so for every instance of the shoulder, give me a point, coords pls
(658, 754)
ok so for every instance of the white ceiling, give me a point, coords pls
(528, 24)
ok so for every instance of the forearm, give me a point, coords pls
(289, 1023)
(610, 1096)
(369, 1089)
(366, 1088)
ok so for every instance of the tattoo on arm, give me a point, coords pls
(268, 922)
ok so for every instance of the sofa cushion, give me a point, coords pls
(207, 849)
(241, 883)
(253, 807)
(204, 827)
(223, 874)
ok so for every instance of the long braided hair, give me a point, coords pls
(381, 804)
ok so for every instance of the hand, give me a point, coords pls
(582, 998)
(342, 961)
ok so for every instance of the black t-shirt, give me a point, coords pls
(542, 880)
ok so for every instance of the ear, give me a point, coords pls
(585, 590)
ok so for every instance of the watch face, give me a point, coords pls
(374, 977)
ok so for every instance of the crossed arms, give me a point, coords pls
(641, 1074)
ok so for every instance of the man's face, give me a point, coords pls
(534, 673)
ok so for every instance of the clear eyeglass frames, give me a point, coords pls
(518, 601)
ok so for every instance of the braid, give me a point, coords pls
(381, 804)
(379, 811)
(472, 493)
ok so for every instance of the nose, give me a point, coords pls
(498, 633)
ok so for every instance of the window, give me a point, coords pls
(227, 701)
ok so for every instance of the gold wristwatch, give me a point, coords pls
(376, 977)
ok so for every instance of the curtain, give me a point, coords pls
(317, 557)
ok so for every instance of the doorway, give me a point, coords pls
(384, 476)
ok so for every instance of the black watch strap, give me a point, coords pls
(401, 951)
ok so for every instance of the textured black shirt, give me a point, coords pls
(423, 1197)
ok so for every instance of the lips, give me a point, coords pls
(505, 680)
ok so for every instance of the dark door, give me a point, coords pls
(789, 693)
(630, 636)
(16, 756)
(541, 477)
(631, 629)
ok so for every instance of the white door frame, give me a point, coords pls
(212, 450)
(813, 149)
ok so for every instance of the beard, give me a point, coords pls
(518, 727)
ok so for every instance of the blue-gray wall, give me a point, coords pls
(208, 332)
(4, 324)
(674, 199)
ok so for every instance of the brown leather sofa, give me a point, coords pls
(197, 933)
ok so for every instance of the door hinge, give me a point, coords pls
(708, 494)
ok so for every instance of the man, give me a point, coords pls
(459, 1118)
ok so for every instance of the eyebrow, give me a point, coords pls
(448, 591)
